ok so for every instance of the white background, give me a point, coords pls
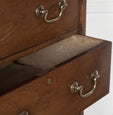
(100, 25)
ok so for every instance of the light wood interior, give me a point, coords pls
(59, 52)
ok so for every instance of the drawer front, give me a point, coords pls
(21, 28)
(51, 95)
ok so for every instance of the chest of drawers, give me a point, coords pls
(48, 65)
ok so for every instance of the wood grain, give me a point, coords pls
(21, 29)
(23, 53)
(11, 50)
(22, 33)
(34, 65)
(54, 97)
(82, 22)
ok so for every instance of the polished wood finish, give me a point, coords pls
(34, 49)
(50, 94)
(21, 29)
(19, 73)
(12, 48)
(22, 33)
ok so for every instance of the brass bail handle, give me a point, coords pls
(40, 11)
(75, 87)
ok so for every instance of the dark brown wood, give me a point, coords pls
(83, 17)
(81, 113)
(34, 49)
(82, 24)
(22, 33)
(50, 94)
(14, 75)
(20, 73)
(21, 29)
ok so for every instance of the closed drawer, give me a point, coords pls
(21, 29)
(50, 94)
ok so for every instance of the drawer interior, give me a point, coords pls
(36, 64)
(59, 52)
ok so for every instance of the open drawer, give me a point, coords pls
(56, 70)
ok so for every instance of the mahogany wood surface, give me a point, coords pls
(20, 73)
(21, 29)
(83, 7)
(22, 33)
(50, 94)
(23, 53)
(81, 113)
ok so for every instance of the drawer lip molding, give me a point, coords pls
(55, 95)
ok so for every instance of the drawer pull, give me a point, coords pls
(40, 11)
(75, 87)
(24, 113)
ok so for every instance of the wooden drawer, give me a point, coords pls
(21, 29)
(50, 93)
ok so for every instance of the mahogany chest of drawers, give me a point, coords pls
(47, 64)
